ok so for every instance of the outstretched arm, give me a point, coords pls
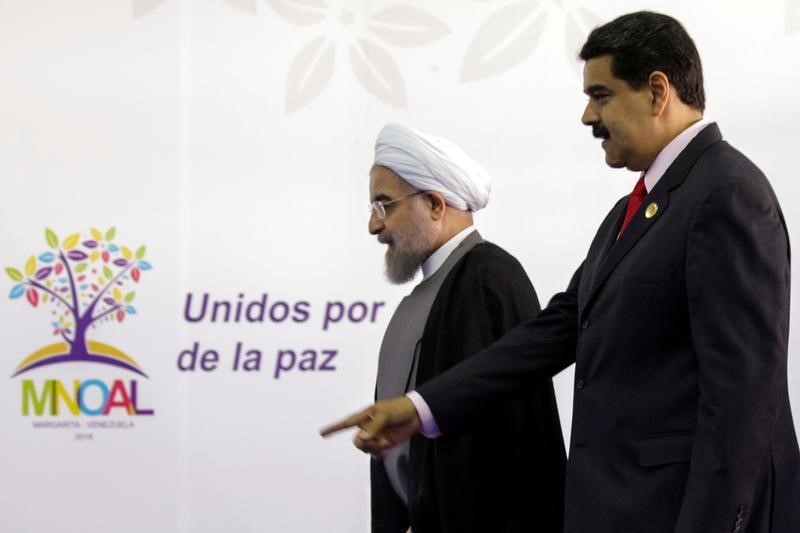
(540, 347)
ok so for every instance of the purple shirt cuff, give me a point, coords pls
(429, 427)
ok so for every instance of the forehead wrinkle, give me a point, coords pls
(386, 184)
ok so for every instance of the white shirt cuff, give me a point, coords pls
(429, 427)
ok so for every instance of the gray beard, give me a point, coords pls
(410, 247)
(402, 265)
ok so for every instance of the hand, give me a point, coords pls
(383, 425)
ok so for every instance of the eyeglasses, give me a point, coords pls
(379, 207)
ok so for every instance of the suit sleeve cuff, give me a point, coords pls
(429, 427)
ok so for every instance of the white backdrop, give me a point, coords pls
(233, 139)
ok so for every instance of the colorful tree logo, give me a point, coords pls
(89, 281)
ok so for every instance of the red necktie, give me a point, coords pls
(634, 202)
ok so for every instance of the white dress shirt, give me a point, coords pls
(670, 153)
(437, 258)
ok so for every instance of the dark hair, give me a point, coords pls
(642, 42)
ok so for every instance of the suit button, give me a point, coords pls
(580, 384)
(585, 324)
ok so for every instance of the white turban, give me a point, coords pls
(430, 163)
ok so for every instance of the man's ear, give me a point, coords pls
(437, 204)
(660, 89)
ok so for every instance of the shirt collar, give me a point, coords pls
(671, 152)
(437, 258)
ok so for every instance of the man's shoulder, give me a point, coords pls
(485, 273)
(719, 163)
(487, 258)
(491, 253)
(725, 169)
(730, 160)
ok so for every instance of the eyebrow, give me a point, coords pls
(597, 88)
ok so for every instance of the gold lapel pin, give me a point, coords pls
(651, 210)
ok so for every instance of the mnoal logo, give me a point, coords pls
(89, 281)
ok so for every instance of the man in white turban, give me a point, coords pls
(424, 190)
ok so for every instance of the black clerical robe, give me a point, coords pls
(507, 474)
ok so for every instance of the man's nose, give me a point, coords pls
(590, 116)
(375, 224)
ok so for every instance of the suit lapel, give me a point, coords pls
(640, 224)
(603, 242)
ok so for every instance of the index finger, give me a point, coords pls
(349, 422)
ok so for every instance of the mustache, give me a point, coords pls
(600, 131)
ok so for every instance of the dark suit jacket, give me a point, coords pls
(679, 331)
(506, 470)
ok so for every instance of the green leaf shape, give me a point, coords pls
(14, 274)
(129, 297)
(107, 272)
(81, 267)
(71, 241)
(140, 252)
(110, 234)
(52, 239)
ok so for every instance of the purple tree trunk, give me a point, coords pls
(78, 349)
